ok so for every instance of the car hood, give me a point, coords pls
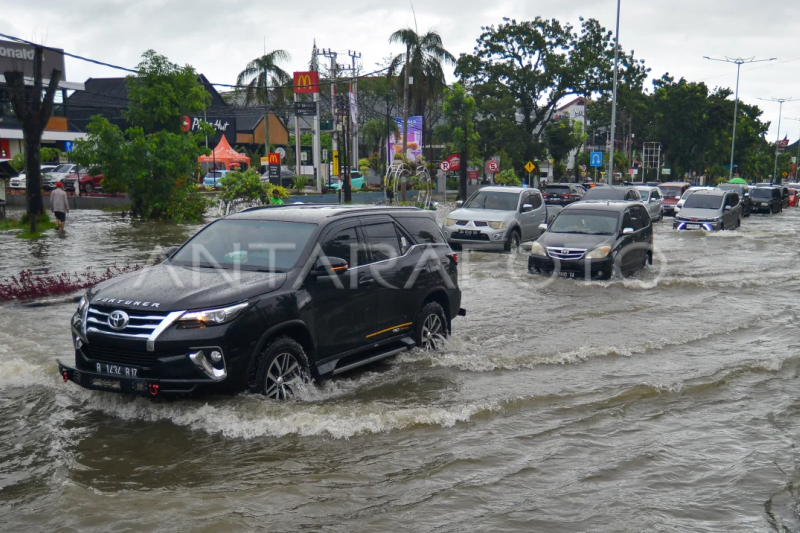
(574, 240)
(490, 215)
(166, 287)
(699, 213)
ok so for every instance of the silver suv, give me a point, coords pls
(497, 218)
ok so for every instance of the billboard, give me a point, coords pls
(19, 57)
(414, 143)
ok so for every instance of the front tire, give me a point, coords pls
(430, 329)
(88, 188)
(513, 242)
(282, 367)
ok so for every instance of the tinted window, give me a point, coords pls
(672, 192)
(703, 201)
(761, 192)
(422, 229)
(627, 222)
(585, 222)
(645, 217)
(637, 220)
(341, 244)
(536, 201)
(382, 241)
(605, 193)
(501, 201)
(558, 189)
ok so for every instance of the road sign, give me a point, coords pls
(794, 160)
(492, 166)
(633, 171)
(306, 82)
(305, 109)
(529, 166)
(335, 162)
(785, 174)
(264, 161)
(445, 166)
(596, 159)
(303, 156)
(281, 151)
(68, 147)
(325, 154)
(454, 161)
(666, 171)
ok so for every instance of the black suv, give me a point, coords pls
(266, 298)
(744, 196)
(563, 193)
(766, 200)
(595, 239)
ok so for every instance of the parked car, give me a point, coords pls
(612, 192)
(563, 193)
(57, 175)
(595, 239)
(297, 313)
(793, 198)
(653, 202)
(785, 195)
(710, 210)
(88, 184)
(744, 196)
(21, 180)
(499, 218)
(766, 200)
(287, 176)
(672, 191)
(356, 181)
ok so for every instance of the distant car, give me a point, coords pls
(612, 192)
(653, 202)
(499, 218)
(686, 195)
(285, 180)
(793, 198)
(672, 192)
(356, 181)
(595, 239)
(21, 181)
(710, 210)
(766, 199)
(744, 196)
(563, 194)
(88, 184)
(57, 175)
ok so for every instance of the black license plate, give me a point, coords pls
(470, 233)
(117, 370)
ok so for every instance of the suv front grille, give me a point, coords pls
(120, 357)
(140, 325)
(566, 254)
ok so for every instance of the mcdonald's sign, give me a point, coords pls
(273, 158)
(306, 82)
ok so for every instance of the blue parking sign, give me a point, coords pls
(596, 159)
(68, 146)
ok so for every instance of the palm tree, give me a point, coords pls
(259, 80)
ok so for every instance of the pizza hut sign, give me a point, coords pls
(454, 161)
(193, 123)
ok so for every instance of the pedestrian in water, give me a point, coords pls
(276, 197)
(59, 204)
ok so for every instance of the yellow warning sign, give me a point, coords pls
(335, 162)
(530, 166)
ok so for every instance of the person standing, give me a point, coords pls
(59, 204)
(276, 197)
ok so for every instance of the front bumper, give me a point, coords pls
(760, 208)
(579, 268)
(688, 225)
(485, 238)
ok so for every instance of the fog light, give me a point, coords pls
(497, 237)
(216, 357)
(78, 343)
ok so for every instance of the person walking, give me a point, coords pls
(59, 204)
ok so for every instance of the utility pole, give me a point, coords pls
(335, 143)
(354, 87)
(780, 101)
(614, 104)
(738, 62)
(405, 121)
(317, 156)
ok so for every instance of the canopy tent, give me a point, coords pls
(223, 154)
(738, 181)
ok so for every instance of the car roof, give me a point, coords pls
(601, 205)
(710, 192)
(316, 213)
(645, 188)
(497, 188)
(674, 184)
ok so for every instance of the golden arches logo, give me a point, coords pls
(304, 82)
(274, 158)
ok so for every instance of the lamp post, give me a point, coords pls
(614, 103)
(738, 62)
(778, 140)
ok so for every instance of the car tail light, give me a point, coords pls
(546, 195)
(453, 257)
(569, 196)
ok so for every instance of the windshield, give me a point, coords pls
(671, 192)
(263, 245)
(62, 169)
(703, 201)
(500, 201)
(761, 192)
(585, 222)
(605, 193)
(560, 189)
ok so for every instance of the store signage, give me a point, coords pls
(306, 82)
(17, 56)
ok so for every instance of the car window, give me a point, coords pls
(645, 216)
(633, 195)
(500, 201)
(627, 222)
(382, 241)
(422, 229)
(342, 243)
(536, 200)
(637, 220)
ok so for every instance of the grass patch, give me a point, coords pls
(29, 235)
(10, 224)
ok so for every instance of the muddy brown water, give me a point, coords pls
(666, 402)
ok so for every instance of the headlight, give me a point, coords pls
(497, 225)
(538, 249)
(450, 222)
(213, 317)
(599, 253)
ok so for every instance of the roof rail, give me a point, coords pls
(372, 208)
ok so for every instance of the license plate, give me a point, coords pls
(470, 233)
(568, 274)
(116, 370)
(107, 383)
(692, 226)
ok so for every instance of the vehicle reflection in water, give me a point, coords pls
(665, 400)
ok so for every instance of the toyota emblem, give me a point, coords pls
(118, 320)
(564, 251)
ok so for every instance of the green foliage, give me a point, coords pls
(364, 165)
(299, 183)
(507, 177)
(236, 186)
(18, 161)
(562, 137)
(48, 155)
(268, 192)
(153, 161)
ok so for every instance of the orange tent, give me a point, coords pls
(225, 155)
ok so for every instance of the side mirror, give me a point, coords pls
(337, 266)
(628, 231)
(543, 227)
(169, 251)
(527, 208)
(728, 207)
(746, 195)
(459, 203)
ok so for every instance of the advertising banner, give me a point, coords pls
(414, 144)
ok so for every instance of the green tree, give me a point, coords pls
(376, 133)
(459, 130)
(561, 138)
(259, 78)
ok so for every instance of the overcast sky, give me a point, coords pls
(218, 37)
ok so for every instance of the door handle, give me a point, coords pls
(366, 282)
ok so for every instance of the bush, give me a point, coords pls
(299, 183)
(507, 177)
(452, 184)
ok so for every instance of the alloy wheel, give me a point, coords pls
(283, 374)
(432, 332)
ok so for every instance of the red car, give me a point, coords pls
(88, 183)
(793, 198)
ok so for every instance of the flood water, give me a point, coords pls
(666, 402)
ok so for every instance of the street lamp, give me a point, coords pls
(614, 103)
(778, 141)
(739, 62)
